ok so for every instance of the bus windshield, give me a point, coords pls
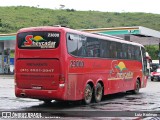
(38, 40)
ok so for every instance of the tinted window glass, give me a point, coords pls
(72, 43)
(125, 51)
(129, 52)
(38, 40)
(93, 47)
(119, 50)
(137, 53)
(83, 46)
(82, 49)
(104, 53)
(112, 50)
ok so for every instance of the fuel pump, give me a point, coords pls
(7, 61)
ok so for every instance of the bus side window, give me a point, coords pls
(124, 50)
(137, 53)
(72, 44)
(93, 47)
(104, 47)
(129, 52)
(112, 50)
(133, 52)
(82, 46)
(119, 50)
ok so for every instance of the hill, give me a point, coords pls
(14, 18)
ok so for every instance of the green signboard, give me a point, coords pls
(120, 32)
(7, 38)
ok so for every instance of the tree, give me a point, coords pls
(153, 51)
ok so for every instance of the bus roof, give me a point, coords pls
(66, 29)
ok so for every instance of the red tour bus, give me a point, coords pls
(58, 63)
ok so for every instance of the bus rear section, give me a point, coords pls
(38, 73)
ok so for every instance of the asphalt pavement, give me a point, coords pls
(112, 105)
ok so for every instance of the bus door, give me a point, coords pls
(144, 67)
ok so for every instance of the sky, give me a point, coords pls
(146, 6)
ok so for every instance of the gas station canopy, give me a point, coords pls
(125, 32)
(142, 35)
(4, 37)
(136, 30)
(7, 41)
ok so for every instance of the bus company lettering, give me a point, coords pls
(37, 70)
(119, 72)
(76, 63)
(53, 34)
(38, 41)
(127, 75)
(44, 44)
(37, 64)
(77, 37)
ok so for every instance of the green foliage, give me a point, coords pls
(14, 18)
(62, 20)
(12, 53)
(0, 23)
(153, 51)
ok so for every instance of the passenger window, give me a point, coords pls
(112, 50)
(124, 50)
(93, 47)
(82, 46)
(104, 53)
(119, 50)
(72, 43)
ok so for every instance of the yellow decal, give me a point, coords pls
(121, 66)
(38, 38)
(119, 71)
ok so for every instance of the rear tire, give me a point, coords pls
(98, 93)
(88, 93)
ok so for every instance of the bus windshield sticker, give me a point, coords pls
(72, 37)
(38, 41)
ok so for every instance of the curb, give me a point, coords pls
(6, 76)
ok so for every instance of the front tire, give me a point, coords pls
(137, 87)
(88, 92)
(98, 93)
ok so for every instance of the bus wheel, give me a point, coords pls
(136, 91)
(88, 94)
(98, 92)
